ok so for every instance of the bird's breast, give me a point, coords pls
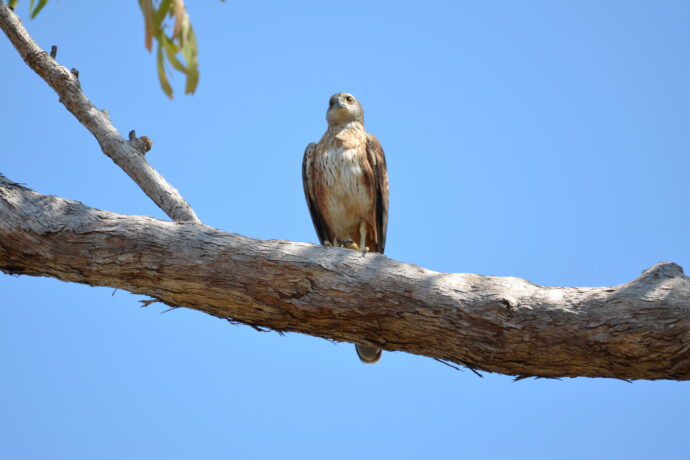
(344, 169)
(347, 195)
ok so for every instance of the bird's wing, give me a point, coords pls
(378, 164)
(308, 184)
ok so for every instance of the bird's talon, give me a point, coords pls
(349, 244)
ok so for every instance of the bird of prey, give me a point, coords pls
(346, 186)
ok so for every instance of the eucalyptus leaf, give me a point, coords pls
(37, 9)
(171, 51)
(189, 47)
(147, 11)
(162, 78)
(162, 11)
(192, 80)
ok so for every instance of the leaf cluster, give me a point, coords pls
(167, 22)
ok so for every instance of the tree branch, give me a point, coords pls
(638, 330)
(128, 155)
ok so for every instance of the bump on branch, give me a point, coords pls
(142, 144)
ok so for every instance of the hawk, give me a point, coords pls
(346, 186)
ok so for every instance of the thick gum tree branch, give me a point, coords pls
(127, 154)
(638, 330)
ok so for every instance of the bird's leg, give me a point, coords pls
(327, 243)
(363, 238)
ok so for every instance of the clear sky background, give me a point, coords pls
(539, 139)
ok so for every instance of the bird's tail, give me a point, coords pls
(368, 354)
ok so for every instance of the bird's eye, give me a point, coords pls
(349, 99)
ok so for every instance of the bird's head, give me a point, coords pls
(344, 108)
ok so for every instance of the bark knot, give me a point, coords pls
(141, 144)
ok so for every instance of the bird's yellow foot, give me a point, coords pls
(349, 244)
(327, 243)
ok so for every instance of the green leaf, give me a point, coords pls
(162, 78)
(189, 51)
(180, 15)
(170, 52)
(192, 81)
(147, 11)
(39, 7)
(189, 47)
(163, 9)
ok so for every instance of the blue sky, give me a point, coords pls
(539, 139)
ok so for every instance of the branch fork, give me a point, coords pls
(127, 155)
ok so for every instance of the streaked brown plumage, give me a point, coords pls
(346, 186)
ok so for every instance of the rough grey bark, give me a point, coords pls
(127, 154)
(638, 330)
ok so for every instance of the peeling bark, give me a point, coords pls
(638, 330)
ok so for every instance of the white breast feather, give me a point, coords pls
(345, 189)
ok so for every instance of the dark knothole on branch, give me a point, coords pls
(509, 304)
(75, 72)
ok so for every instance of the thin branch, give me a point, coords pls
(476, 372)
(147, 302)
(128, 155)
(447, 364)
(638, 330)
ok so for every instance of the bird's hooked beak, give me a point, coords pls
(338, 103)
